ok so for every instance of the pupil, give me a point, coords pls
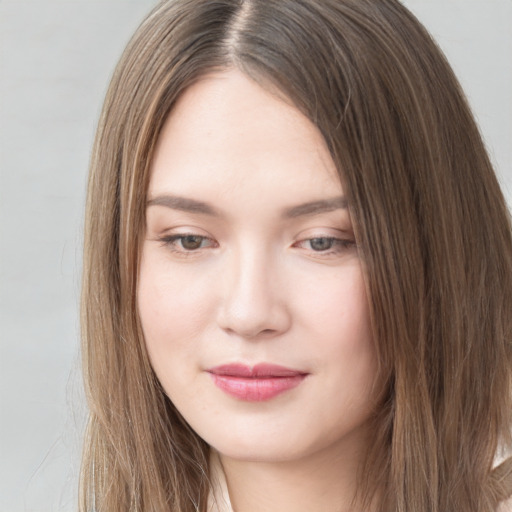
(321, 244)
(191, 242)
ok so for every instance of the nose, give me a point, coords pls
(253, 305)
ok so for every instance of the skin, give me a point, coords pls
(260, 280)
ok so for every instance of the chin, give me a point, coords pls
(267, 446)
(255, 452)
(291, 441)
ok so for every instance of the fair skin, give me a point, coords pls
(248, 258)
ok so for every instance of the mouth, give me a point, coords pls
(255, 383)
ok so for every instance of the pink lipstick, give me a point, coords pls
(255, 384)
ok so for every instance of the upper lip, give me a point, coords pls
(261, 370)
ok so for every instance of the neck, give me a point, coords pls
(325, 480)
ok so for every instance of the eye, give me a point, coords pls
(187, 242)
(321, 244)
(192, 242)
(326, 245)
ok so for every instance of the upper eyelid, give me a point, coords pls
(181, 231)
(307, 234)
(340, 235)
(333, 233)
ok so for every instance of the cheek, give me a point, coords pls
(173, 310)
(337, 306)
(337, 313)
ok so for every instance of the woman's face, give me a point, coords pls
(251, 290)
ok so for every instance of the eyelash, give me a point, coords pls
(172, 240)
(336, 245)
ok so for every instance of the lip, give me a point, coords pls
(257, 383)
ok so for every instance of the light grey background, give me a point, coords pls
(56, 57)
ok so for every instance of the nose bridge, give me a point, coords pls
(252, 303)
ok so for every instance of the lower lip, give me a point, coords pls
(256, 389)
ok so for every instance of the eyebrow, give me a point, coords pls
(316, 207)
(184, 204)
(193, 206)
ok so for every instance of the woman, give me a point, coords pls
(298, 270)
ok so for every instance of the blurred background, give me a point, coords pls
(56, 58)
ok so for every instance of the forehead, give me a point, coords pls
(226, 133)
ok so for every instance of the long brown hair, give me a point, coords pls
(430, 221)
